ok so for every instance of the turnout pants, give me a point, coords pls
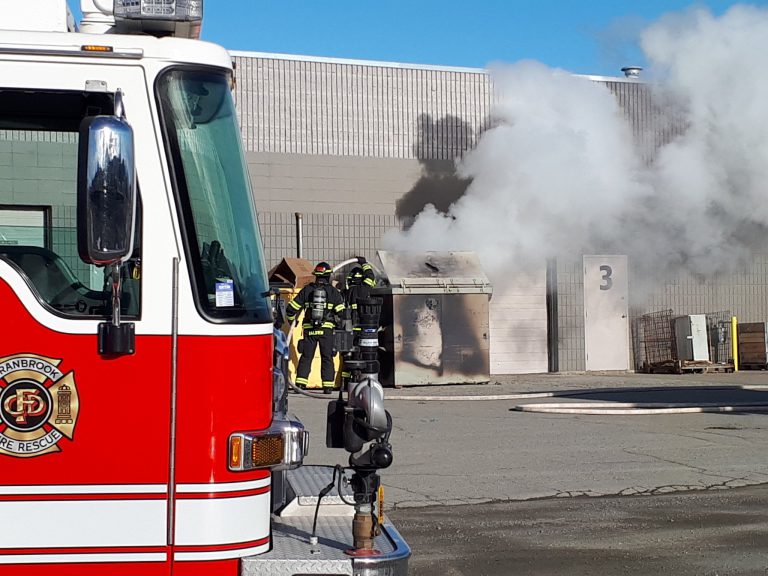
(312, 338)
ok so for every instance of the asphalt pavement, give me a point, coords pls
(712, 533)
(472, 474)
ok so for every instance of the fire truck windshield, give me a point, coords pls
(214, 196)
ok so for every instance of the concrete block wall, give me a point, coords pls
(347, 203)
(570, 321)
(331, 184)
(32, 169)
(326, 236)
(40, 169)
(743, 291)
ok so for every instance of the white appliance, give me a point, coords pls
(691, 337)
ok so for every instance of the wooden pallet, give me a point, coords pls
(686, 366)
(720, 368)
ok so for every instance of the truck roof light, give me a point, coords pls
(96, 48)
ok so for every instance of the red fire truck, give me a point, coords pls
(141, 427)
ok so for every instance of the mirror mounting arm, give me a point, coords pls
(116, 338)
(119, 106)
(116, 288)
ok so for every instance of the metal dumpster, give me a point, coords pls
(434, 319)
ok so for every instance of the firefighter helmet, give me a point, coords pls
(322, 270)
(355, 276)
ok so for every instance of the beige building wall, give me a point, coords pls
(361, 147)
(331, 184)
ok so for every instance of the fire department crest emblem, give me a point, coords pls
(38, 405)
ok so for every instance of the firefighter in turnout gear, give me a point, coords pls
(359, 282)
(321, 303)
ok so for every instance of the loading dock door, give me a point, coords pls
(606, 312)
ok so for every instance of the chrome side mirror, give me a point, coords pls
(106, 211)
(106, 190)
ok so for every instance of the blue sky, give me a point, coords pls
(586, 37)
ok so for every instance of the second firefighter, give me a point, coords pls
(360, 280)
(321, 303)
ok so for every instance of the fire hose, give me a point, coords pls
(606, 408)
(637, 409)
(349, 261)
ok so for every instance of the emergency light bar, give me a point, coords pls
(175, 10)
(181, 18)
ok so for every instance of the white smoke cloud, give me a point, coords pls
(715, 175)
(560, 174)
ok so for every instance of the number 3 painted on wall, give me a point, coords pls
(607, 271)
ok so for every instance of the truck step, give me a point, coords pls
(292, 553)
(304, 485)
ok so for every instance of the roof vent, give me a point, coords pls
(632, 72)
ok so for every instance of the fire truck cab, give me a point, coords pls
(140, 431)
